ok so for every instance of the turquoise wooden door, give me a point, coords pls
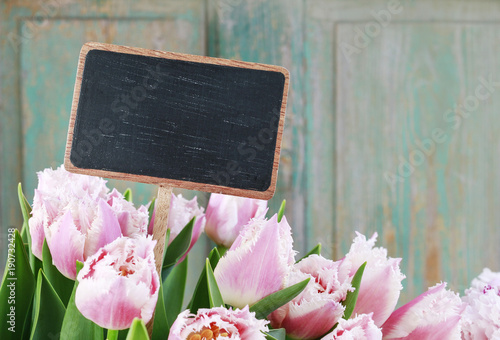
(403, 98)
(385, 129)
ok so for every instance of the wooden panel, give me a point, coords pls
(271, 32)
(387, 99)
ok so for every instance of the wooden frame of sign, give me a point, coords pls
(266, 194)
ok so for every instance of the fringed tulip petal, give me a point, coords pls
(257, 264)
(115, 311)
(481, 318)
(181, 212)
(133, 222)
(66, 245)
(311, 319)
(319, 307)
(227, 215)
(103, 230)
(450, 330)
(381, 283)
(361, 327)
(436, 309)
(36, 225)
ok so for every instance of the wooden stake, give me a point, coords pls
(162, 207)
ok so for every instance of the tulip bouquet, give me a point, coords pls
(83, 267)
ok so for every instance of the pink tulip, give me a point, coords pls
(227, 215)
(481, 318)
(361, 327)
(218, 323)
(58, 189)
(434, 315)
(119, 283)
(257, 263)
(381, 282)
(319, 307)
(133, 222)
(180, 213)
(77, 216)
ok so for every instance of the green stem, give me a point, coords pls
(112, 334)
(222, 250)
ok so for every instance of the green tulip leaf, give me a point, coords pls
(200, 295)
(352, 297)
(62, 285)
(28, 321)
(17, 289)
(128, 195)
(276, 334)
(214, 257)
(173, 290)
(35, 263)
(177, 249)
(138, 331)
(214, 294)
(281, 212)
(315, 251)
(222, 250)
(161, 323)
(122, 334)
(25, 210)
(24, 236)
(112, 334)
(48, 312)
(270, 303)
(75, 325)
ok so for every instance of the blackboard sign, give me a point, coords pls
(179, 120)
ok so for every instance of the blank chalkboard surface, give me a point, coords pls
(174, 119)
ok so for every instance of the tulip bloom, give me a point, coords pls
(181, 212)
(257, 263)
(227, 215)
(361, 327)
(481, 318)
(77, 216)
(434, 314)
(381, 282)
(119, 283)
(133, 222)
(218, 323)
(319, 307)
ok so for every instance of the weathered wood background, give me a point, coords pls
(391, 127)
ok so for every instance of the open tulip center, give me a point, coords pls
(322, 286)
(206, 333)
(126, 269)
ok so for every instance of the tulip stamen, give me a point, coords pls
(207, 334)
(125, 271)
(211, 333)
